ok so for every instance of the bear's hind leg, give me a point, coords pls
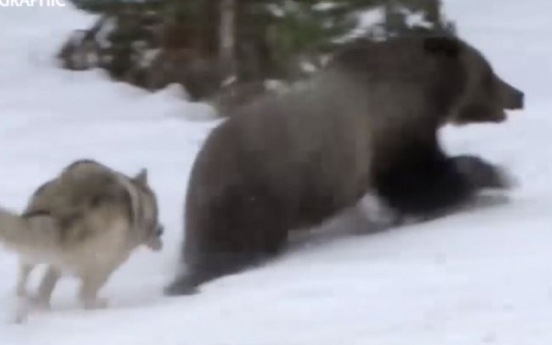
(242, 231)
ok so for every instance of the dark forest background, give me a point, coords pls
(224, 51)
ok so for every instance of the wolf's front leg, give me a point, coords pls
(92, 282)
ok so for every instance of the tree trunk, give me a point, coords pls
(227, 37)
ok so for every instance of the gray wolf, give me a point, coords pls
(86, 222)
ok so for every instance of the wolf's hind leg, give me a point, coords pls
(22, 304)
(47, 286)
(25, 270)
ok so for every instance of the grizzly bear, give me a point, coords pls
(368, 122)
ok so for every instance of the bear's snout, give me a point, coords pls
(513, 98)
(518, 100)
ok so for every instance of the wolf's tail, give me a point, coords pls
(31, 231)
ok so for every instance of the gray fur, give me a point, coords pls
(85, 222)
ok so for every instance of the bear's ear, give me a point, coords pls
(448, 46)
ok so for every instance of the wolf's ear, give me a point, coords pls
(142, 177)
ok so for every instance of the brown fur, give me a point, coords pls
(366, 123)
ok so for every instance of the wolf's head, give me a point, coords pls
(147, 217)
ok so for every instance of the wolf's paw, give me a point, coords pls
(98, 303)
(19, 311)
(40, 303)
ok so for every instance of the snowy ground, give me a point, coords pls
(479, 278)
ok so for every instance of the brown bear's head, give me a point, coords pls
(485, 96)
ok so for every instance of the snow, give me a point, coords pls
(482, 277)
(414, 18)
(369, 23)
